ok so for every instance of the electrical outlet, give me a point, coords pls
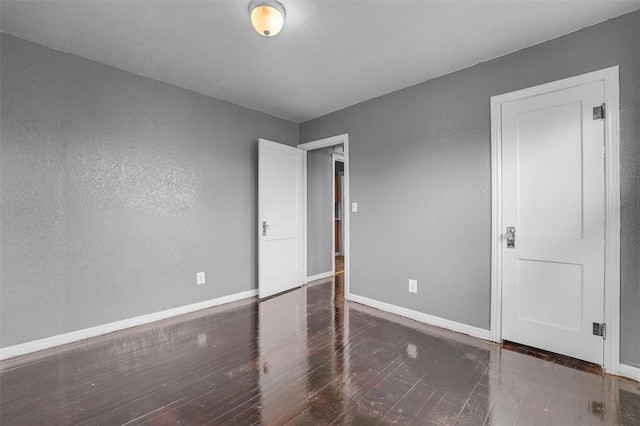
(200, 278)
(413, 286)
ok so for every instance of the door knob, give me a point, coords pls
(511, 237)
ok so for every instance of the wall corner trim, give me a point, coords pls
(629, 371)
(75, 336)
(422, 317)
(320, 276)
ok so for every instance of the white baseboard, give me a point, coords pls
(320, 276)
(74, 336)
(624, 370)
(629, 371)
(425, 318)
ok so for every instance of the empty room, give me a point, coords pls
(319, 212)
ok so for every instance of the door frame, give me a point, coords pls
(610, 79)
(340, 159)
(322, 143)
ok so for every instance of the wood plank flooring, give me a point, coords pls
(339, 264)
(308, 358)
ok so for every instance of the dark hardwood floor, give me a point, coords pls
(339, 264)
(304, 357)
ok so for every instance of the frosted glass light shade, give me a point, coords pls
(267, 17)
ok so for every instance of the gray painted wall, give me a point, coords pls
(116, 190)
(319, 211)
(420, 172)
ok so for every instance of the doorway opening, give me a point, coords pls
(327, 219)
(339, 209)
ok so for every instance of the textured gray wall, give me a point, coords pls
(116, 190)
(319, 211)
(420, 172)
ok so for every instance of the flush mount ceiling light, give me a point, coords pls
(267, 16)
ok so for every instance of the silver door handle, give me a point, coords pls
(264, 228)
(511, 237)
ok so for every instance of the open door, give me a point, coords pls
(280, 218)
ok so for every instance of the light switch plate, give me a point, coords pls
(413, 286)
(200, 278)
(354, 207)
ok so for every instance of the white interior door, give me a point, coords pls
(553, 195)
(280, 218)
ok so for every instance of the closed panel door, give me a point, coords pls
(280, 211)
(553, 201)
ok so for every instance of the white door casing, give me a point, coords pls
(342, 139)
(542, 189)
(280, 218)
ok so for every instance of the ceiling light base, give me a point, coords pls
(267, 16)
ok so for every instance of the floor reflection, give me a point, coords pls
(303, 357)
(399, 374)
(283, 345)
(186, 370)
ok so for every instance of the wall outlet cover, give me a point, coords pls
(200, 278)
(413, 286)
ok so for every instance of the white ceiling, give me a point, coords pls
(330, 54)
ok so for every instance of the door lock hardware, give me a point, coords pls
(511, 237)
(600, 329)
(264, 228)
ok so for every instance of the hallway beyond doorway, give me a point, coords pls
(339, 265)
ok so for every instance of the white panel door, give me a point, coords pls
(280, 218)
(553, 195)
